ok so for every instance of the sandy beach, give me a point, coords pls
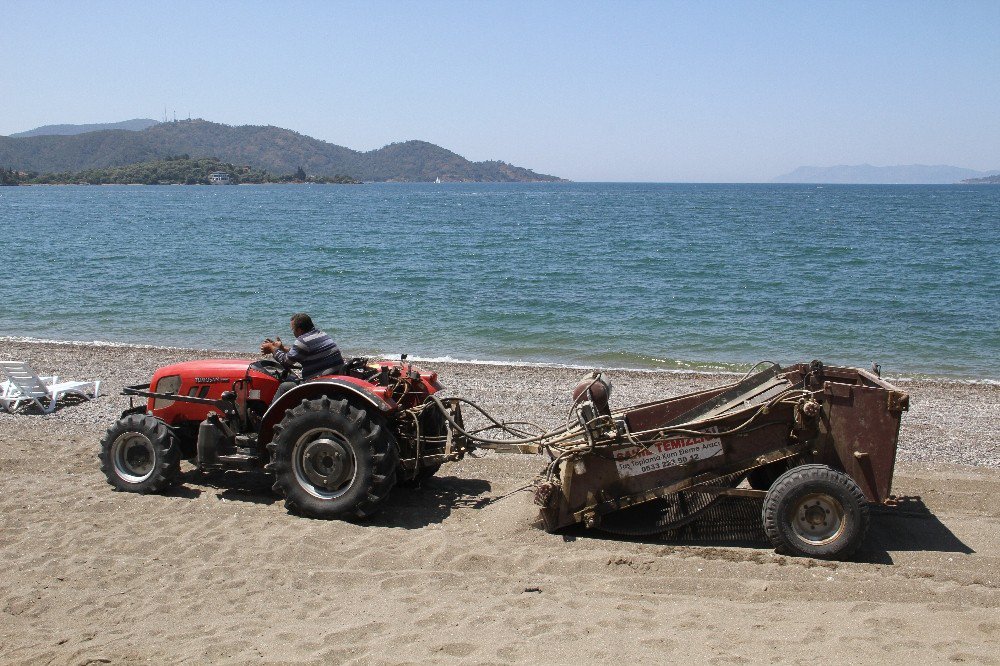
(217, 571)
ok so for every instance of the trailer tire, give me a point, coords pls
(140, 454)
(816, 511)
(332, 460)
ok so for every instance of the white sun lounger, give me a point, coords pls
(25, 386)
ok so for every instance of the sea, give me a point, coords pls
(666, 277)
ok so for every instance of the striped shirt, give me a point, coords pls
(315, 350)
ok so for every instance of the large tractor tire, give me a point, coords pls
(816, 511)
(140, 454)
(332, 460)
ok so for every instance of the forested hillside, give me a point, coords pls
(178, 170)
(266, 148)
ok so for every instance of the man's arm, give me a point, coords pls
(287, 357)
(277, 349)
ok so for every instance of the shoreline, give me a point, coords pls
(950, 421)
(162, 184)
(708, 370)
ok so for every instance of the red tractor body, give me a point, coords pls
(210, 378)
(336, 443)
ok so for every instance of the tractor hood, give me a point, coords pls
(207, 371)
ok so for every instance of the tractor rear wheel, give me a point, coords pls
(332, 460)
(816, 511)
(140, 454)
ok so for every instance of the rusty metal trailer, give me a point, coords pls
(817, 443)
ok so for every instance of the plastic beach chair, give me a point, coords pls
(25, 386)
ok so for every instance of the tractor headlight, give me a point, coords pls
(170, 384)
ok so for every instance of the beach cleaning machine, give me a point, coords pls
(816, 443)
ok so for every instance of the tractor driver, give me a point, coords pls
(314, 349)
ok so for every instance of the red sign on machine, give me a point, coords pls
(669, 452)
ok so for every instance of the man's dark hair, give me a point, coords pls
(302, 321)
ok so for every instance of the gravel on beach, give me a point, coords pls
(949, 421)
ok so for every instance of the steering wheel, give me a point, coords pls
(273, 368)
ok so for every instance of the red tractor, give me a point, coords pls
(336, 444)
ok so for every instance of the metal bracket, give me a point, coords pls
(732, 492)
(898, 401)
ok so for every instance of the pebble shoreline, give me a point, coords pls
(948, 422)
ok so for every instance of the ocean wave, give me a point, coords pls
(906, 379)
(102, 343)
(712, 370)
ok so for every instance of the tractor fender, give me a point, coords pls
(332, 388)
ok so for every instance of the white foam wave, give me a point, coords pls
(560, 366)
(99, 343)
(903, 379)
(708, 370)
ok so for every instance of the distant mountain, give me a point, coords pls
(136, 125)
(866, 174)
(269, 148)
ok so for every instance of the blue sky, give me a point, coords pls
(616, 91)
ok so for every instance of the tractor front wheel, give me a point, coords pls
(332, 460)
(140, 454)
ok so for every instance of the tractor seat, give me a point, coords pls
(333, 370)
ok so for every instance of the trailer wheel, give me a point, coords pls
(332, 460)
(140, 454)
(816, 511)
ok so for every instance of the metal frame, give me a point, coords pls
(842, 417)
